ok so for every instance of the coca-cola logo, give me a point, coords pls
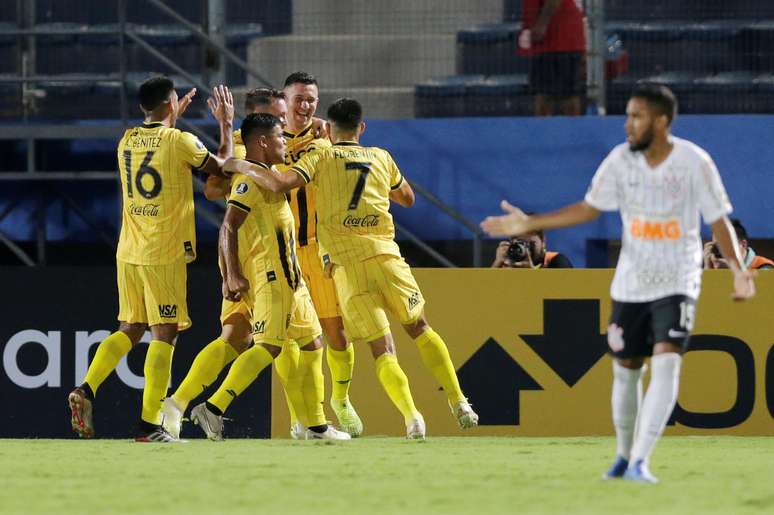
(361, 221)
(144, 210)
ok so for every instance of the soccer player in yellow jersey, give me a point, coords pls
(158, 239)
(356, 232)
(303, 135)
(261, 269)
(236, 333)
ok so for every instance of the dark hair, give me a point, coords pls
(346, 113)
(659, 97)
(300, 78)
(257, 124)
(154, 92)
(741, 232)
(261, 97)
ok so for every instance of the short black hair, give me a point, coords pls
(659, 97)
(300, 78)
(346, 113)
(261, 97)
(741, 232)
(155, 91)
(258, 124)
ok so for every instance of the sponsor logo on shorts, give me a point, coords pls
(615, 338)
(414, 300)
(259, 327)
(361, 221)
(144, 210)
(287, 321)
(168, 310)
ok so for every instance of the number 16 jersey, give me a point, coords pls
(353, 200)
(158, 224)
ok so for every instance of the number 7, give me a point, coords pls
(364, 169)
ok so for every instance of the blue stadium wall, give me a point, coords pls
(472, 164)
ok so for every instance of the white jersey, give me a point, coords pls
(661, 253)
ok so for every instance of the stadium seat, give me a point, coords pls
(684, 10)
(500, 95)
(490, 50)
(443, 97)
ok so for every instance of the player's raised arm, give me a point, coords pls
(235, 282)
(403, 194)
(516, 222)
(267, 178)
(222, 108)
(744, 286)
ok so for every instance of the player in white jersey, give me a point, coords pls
(660, 184)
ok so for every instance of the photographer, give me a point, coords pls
(528, 251)
(713, 259)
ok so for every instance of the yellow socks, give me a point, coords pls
(109, 353)
(435, 356)
(395, 383)
(310, 368)
(286, 362)
(204, 371)
(242, 373)
(341, 364)
(158, 368)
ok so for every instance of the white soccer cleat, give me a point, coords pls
(415, 430)
(211, 424)
(171, 417)
(349, 421)
(464, 414)
(297, 431)
(329, 434)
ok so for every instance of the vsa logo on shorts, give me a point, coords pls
(259, 327)
(168, 310)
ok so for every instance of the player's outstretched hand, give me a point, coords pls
(221, 104)
(510, 224)
(744, 285)
(184, 102)
(318, 126)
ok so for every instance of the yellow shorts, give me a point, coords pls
(153, 294)
(280, 314)
(241, 307)
(370, 288)
(321, 288)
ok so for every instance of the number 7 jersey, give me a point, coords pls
(353, 200)
(158, 223)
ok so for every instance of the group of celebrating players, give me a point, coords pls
(306, 251)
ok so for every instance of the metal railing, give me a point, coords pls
(32, 133)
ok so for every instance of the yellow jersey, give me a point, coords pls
(158, 223)
(353, 185)
(266, 238)
(302, 200)
(240, 152)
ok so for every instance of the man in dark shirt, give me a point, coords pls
(528, 251)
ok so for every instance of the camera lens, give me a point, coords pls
(517, 251)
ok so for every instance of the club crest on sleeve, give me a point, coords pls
(199, 144)
(241, 189)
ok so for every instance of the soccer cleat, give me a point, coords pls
(297, 431)
(80, 413)
(160, 435)
(465, 415)
(171, 417)
(211, 424)
(415, 430)
(617, 469)
(638, 471)
(349, 421)
(329, 434)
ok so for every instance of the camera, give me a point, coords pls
(518, 250)
(716, 251)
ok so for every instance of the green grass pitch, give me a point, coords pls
(701, 475)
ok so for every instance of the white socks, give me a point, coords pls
(625, 401)
(659, 402)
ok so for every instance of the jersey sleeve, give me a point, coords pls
(711, 194)
(603, 192)
(191, 150)
(396, 178)
(244, 194)
(306, 167)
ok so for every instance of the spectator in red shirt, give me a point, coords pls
(554, 37)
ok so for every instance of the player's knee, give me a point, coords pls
(415, 329)
(134, 331)
(313, 345)
(333, 329)
(274, 350)
(631, 363)
(165, 333)
(381, 346)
